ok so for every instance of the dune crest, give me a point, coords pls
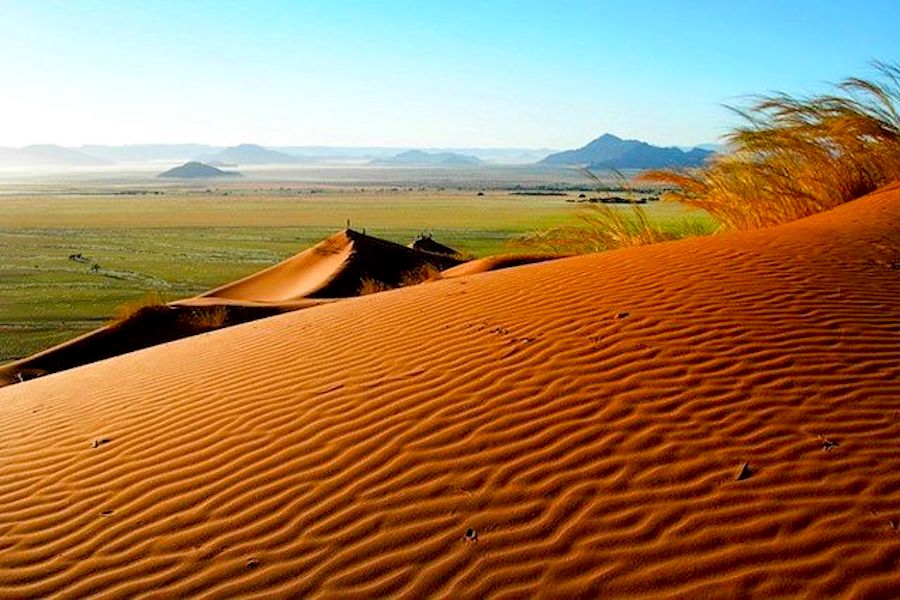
(332, 268)
(716, 417)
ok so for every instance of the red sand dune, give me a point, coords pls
(148, 326)
(495, 263)
(574, 428)
(332, 269)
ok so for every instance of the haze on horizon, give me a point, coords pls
(438, 74)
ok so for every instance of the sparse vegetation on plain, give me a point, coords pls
(620, 224)
(603, 227)
(796, 156)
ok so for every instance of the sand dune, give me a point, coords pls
(565, 429)
(148, 326)
(333, 268)
(495, 263)
(426, 243)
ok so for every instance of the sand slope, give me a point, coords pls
(495, 263)
(149, 326)
(586, 418)
(333, 268)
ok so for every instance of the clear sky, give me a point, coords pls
(514, 73)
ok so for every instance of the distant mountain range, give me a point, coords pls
(606, 151)
(148, 152)
(47, 155)
(611, 152)
(196, 170)
(252, 154)
(369, 153)
(436, 159)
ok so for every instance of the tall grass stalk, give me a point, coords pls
(602, 227)
(796, 156)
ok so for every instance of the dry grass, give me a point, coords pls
(426, 272)
(372, 286)
(196, 320)
(607, 227)
(421, 274)
(798, 156)
(604, 227)
(128, 310)
(209, 317)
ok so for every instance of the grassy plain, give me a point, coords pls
(184, 241)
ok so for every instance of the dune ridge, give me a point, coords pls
(332, 268)
(574, 428)
(496, 262)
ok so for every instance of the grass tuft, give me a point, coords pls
(794, 157)
(208, 317)
(421, 274)
(126, 311)
(426, 272)
(372, 286)
(604, 227)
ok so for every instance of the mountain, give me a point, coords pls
(712, 147)
(337, 153)
(436, 159)
(500, 155)
(149, 152)
(609, 151)
(196, 170)
(252, 154)
(47, 155)
(371, 153)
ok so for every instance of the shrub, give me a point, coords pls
(372, 286)
(208, 317)
(426, 272)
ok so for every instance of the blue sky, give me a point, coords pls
(415, 73)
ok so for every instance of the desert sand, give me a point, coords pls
(716, 417)
(495, 263)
